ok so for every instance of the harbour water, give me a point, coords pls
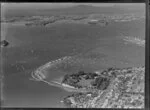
(70, 48)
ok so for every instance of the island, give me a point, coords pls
(90, 19)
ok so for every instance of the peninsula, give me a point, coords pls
(111, 88)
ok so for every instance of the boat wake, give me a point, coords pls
(135, 40)
(54, 83)
(41, 74)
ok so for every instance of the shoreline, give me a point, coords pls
(49, 20)
(125, 81)
(92, 95)
(63, 86)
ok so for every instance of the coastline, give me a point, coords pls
(55, 83)
(126, 90)
(112, 73)
(58, 83)
(84, 19)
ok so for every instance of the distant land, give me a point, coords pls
(99, 19)
(86, 14)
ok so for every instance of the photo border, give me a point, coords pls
(147, 41)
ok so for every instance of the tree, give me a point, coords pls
(102, 83)
(93, 83)
(66, 77)
(81, 73)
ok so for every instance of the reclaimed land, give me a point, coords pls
(111, 88)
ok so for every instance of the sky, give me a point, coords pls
(6, 7)
(63, 5)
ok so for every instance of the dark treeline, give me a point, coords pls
(98, 82)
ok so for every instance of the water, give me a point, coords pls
(87, 47)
